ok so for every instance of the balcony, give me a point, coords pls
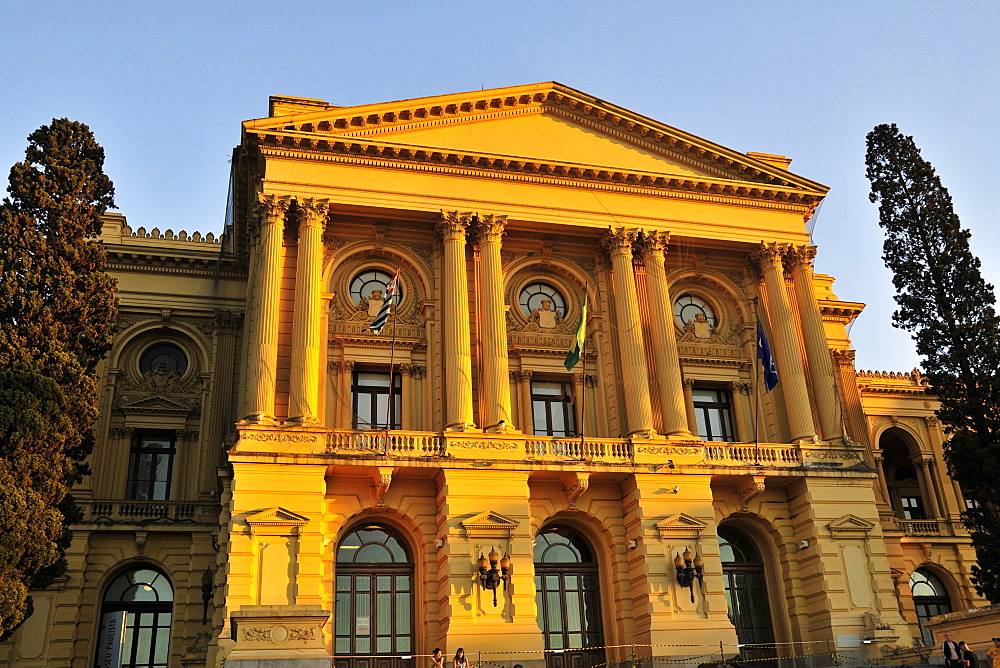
(149, 512)
(917, 528)
(418, 444)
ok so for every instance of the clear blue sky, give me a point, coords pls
(164, 86)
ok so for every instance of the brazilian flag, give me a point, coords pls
(573, 356)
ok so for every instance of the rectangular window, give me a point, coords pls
(370, 399)
(913, 507)
(713, 410)
(552, 408)
(151, 465)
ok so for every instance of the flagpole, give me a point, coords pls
(756, 382)
(583, 387)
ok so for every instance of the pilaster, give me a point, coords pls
(480, 510)
(635, 374)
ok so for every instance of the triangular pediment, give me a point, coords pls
(546, 128)
(155, 404)
(490, 520)
(680, 523)
(276, 516)
(850, 523)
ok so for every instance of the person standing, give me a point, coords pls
(952, 655)
(968, 656)
(994, 653)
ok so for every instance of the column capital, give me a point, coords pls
(843, 356)
(769, 255)
(491, 227)
(742, 388)
(312, 211)
(655, 242)
(800, 257)
(453, 225)
(619, 240)
(688, 383)
(273, 207)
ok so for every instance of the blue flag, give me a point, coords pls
(383, 313)
(766, 361)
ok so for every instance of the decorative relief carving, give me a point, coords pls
(122, 432)
(692, 333)
(126, 322)
(845, 356)
(257, 634)
(747, 489)
(831, 454)
(769, 255)
(588, 264)
(742, 388)
(578, 486)
(506, 257)
(656, 242)
(668, 450)
(302, 633)
(932, 422)
(271, 436)
(482, 445)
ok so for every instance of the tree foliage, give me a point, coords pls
(949, 310)
(57, 309)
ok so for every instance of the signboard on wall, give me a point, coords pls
(111, 639)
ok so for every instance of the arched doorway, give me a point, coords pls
(569, 599)
(746, 594)
(906, 493)
(135, 620)
(930, 597)
(373, 622)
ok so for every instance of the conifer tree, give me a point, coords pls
(949, 310)
(57, 310)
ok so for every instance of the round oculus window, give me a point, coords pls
(688, 308)
(165, 357)
(541, 297)
(373, 285)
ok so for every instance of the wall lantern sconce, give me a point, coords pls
(689, 568)
(207, 592)
(490, 576)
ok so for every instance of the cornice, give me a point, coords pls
(483, 165)
(154, 263)
(545, 97)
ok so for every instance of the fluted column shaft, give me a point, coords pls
(304, 386)
(785, 346)
(264, 335)
(457, 346)
(930, 493)
(817, 351)
(635, 375)
(494, 393)
(668, 370)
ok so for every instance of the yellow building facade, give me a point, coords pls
(274, 479)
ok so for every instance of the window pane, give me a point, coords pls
(402, 613)
(383, 615)
(554, 389)
(162, 645)
(343, 614)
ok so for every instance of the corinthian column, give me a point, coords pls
(638, 408)
(495, 390)
(817, 351)
(668, 371)
(457, 348)
(263, 346)
(785, 346)
(306, 330)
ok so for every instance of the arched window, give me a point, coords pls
(568, 597)
(534, 296)
(687, 308)
(373, 284)
(746, 593)
(929, 598)
(135, 620)
(906, 493)
(374, 601)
